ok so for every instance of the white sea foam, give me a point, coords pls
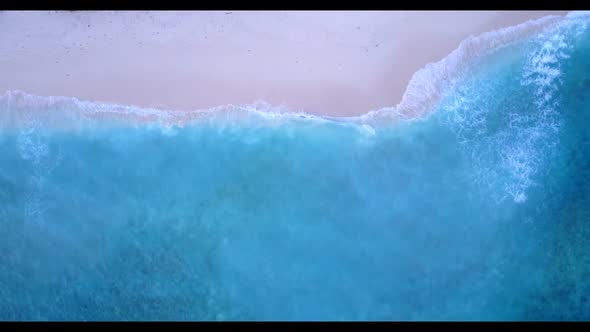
(20, 107)
(579, 13)
(430, 83)
(522, 146)
(523, 157)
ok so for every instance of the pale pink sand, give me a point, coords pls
(338, 63)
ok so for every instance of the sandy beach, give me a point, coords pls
(340, 63)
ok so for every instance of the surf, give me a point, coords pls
(468, 195)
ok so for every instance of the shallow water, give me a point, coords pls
(476, 211)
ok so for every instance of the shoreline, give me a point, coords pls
(426, 88)
(117, 74)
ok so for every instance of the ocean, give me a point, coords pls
(468, 201)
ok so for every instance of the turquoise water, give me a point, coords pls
(479, 210)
